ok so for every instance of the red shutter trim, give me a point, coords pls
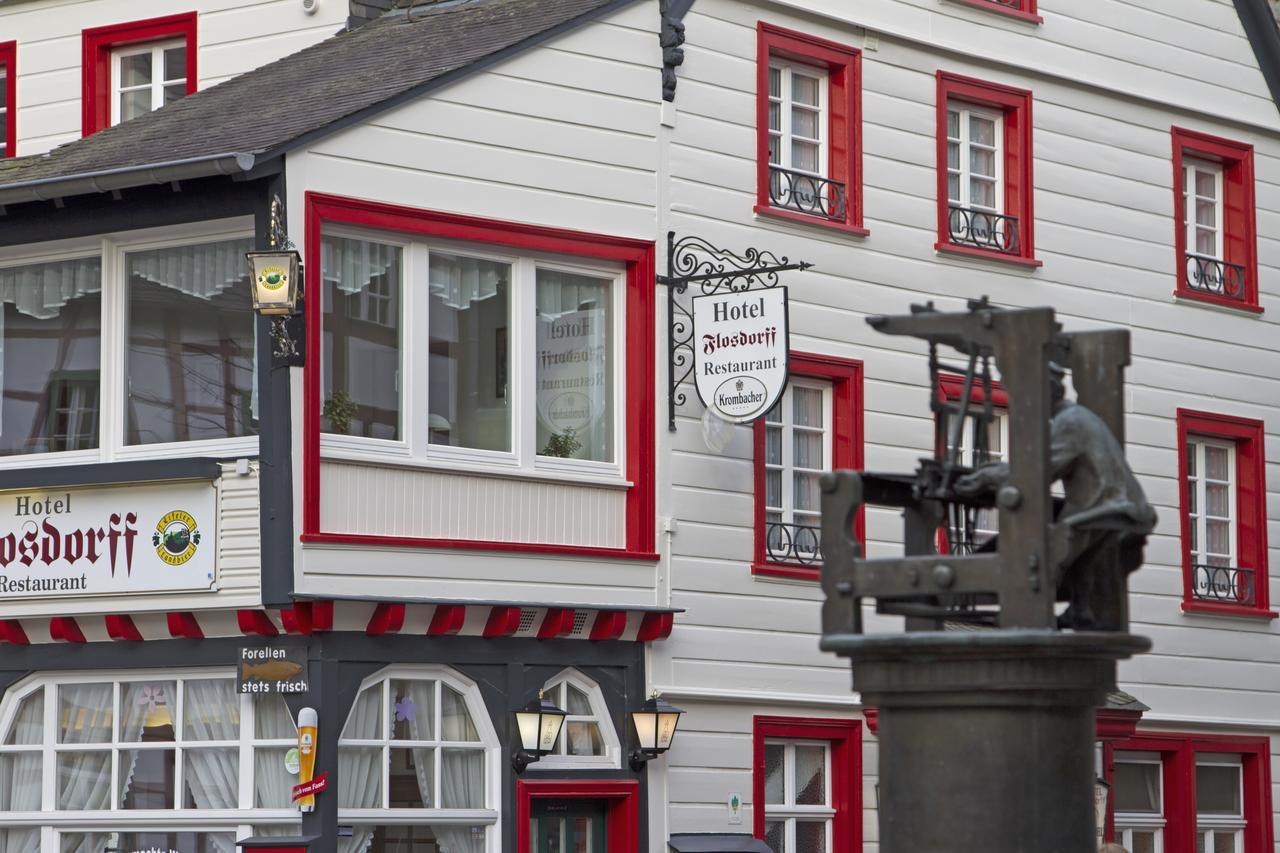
(96, 46)
(557, 622)
(11, 632)
(9, 59)
(121, 627)
(256, 622)
(446, 620)
(297, 619)
(387, 618)
(845, 737)
(322, 616)
(184, 625)
(609, 625)
(655, 626)
(65, 629)
(502, 622)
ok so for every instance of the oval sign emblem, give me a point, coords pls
(742, 397)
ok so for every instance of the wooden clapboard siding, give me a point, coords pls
(232, 37)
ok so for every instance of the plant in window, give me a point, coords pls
(562, 445)
(339, 409)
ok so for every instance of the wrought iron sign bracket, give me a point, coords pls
(692, 260)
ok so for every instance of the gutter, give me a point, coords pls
(107, 180)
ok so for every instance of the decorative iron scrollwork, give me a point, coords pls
(1223, 584)
(983, 230)
(800, 544)
(806, 193)
(1210, 275)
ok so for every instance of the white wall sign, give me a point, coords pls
(113, 540)
(740, 350)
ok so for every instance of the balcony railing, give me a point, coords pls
(800, 544)
(1210, 275)
(807, 194)
(1223, 584)
(983, 229)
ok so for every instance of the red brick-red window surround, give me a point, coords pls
(99, 42)
(9, 64)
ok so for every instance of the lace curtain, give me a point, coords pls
(85, 777)
(360, 768)
(20, 774)
(457, 281)
(203, 270)
(40, 290)
(353, 264)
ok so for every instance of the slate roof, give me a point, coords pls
(260, 112)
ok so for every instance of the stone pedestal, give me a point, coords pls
(986, 738)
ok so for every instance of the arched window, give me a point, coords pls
(588, 737)
(125, 760)
(418, 763)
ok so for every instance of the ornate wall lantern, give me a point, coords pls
(276, 276)
(539, 724)
(656, 723)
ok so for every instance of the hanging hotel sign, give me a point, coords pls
(114, 540)
(740, 351)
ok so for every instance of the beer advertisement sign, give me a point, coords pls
(740, 349)
(113, 540)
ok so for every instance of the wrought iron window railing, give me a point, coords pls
(807, 193)
(983, 229)
(1211, 275)
(1008, 4)
(793, 543)
(1223, 584)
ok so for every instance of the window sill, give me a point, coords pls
(986, 255)
(787, 571)
(1210, 608)
(1232, 305)
(387, 460)
(768, 212)
(363, 540)
(1015, 14)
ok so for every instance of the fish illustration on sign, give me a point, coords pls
(272, 670)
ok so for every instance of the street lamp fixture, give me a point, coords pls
(655, 723)
(277, 282)
(539, 724)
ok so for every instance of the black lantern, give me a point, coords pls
(276, 276)
(655, 723)
(539, 724)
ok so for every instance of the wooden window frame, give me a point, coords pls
(1017, 154)
(1025, 10)
(98, 46)
(845, 376)
(1248, 437)
(845, 739)
(9, 62)
(1238, 227)
(843, 66)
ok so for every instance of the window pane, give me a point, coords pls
(1216, 463)
(811, 775)
(84, 780)
(811, 836)
(808, 493)
(20, 778)
(807, 449)
(772, 446)
(455, 720)
(982, 162)
(174, 92)
(1217, 499)
(84, 713)
(28, 722)
(146, 779)
(775, 833)
(806, 407)
(1217, 790)
(412, 777)
(804, 156)
(461, 779)
(1206, 184)
(1144, 841)
(365, 720)
(1218, 534)
(775, 82)
(575, 366)
(982, 194)
(469, 369)
(272, 781)
(804, 122)
(271, 718)
(135, 70)
(413, 709)
(953, 126)
(134, 103)
(185, 840)
(211, 778)
(577, 703)
(1136, 787)
(360, 365)
(175, 63)
(191, 344)
(360, 777)
(773, 488)
(51, 328)
(774, 768)
(584, 739)
(953, 187)
(1206, 242)
(147, 710)
(804, 89)
(775, 116)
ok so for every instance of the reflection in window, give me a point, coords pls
(469, 369)
(574, 361)
(191, 344)
(50, 343)
(360, 366)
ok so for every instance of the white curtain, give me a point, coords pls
(137, 700)
(202, 271)
(457, 281)
(563, 293)
(422, 693)
(272, 782)
(211, 711)
(86, 776)
(352, 264)
(40, 290)
(360, 768)
(21, 773)
(462, 781)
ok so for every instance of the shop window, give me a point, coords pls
(588, 737)
(9, 99)
(809, 129)
(136, 756)
(984, 170)
(131, 69)
(417, 744)
(807, 774)
(1216, 232)
(1222, 480)
(814, 427)
(1190, 792)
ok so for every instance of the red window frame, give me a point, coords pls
(1239, 228)
(1025, 10)
(844, 99)
(622, 808)
(98, 43)
(1015, 105)
(950, 389)
(1178, 765)
(845, 737)
(639, 346)
(9, 60)
(845, 376)
(1248, 436)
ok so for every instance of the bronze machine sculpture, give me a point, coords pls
(986, 701)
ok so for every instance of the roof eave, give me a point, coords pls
(1259, 24)
(46, 189)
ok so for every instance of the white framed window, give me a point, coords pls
(146, 77)
(517, 358)
(798, 810)
(418, 760)
(128, 346)
(1220, 819)
(588, 737)
(975, 158)
(136, 755)
(798, 118)
(1202, 204)
(1138, 799)
(797, 450)
(1211, 492)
